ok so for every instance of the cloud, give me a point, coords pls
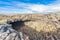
(37, 8)
(20, 7)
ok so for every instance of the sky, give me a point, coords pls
(28, 6)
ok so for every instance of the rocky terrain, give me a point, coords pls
(8, 33)
(36, 26)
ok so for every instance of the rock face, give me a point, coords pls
(7, 33)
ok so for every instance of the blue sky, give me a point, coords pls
(28, 6)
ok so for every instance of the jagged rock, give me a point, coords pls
(8, 33)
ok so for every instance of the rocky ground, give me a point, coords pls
(8, 33)
(36, 26)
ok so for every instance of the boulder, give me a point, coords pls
(8, 33)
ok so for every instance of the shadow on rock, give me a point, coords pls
(35, 35)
